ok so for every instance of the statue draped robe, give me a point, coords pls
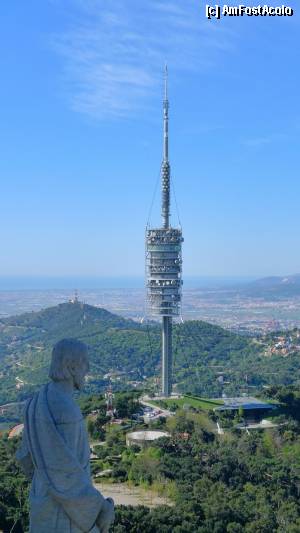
(55, 450)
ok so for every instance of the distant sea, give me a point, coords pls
(19, 283)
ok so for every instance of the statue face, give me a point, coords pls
(80, 373)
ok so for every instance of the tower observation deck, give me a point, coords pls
(164, 262)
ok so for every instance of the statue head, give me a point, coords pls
(69, 362)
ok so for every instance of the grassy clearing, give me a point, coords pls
(192, 401)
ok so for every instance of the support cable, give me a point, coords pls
(153, 198)
(176, 203)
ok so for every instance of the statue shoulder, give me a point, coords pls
(62, 406)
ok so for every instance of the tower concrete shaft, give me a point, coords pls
(166, 377)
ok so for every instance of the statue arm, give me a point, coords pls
(84, 507)
(106, 516)
(24, 458)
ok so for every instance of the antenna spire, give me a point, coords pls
(166, 117)
(165, 169)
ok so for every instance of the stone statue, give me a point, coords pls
(55, 452)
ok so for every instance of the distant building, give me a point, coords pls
(253, 408)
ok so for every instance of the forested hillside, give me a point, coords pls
(208, 360)
(239, 482)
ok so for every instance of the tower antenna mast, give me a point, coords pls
(163, 260)
(165, 170)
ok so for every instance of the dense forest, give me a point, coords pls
(233, 483)
(208, 360)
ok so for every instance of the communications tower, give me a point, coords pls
(164, 261)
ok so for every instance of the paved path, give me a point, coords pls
(163, 412)
(264, 424)
(220, 430)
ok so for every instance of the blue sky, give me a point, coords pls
(81, 142)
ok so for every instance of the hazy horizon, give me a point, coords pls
(10, 283)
